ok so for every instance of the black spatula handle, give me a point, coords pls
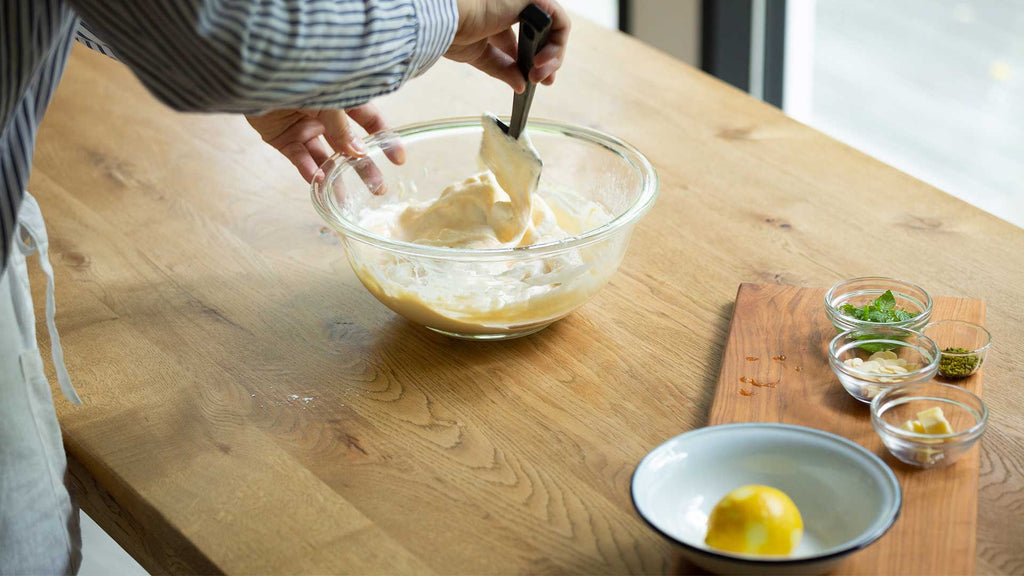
(534, 27)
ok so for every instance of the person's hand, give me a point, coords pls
(485, 40)
(297, 135)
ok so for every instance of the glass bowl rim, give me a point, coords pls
(834, 350)
(980, 350)
(925, 314)
(976, 430)
(648, 193)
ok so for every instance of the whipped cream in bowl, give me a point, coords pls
(480, 236)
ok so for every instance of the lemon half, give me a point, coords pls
(755, 520)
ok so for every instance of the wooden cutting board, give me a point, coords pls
(775, 369)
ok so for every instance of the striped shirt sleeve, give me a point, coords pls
(251, 56)
(86, 37)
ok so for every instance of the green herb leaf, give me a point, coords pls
(902, 315)
(885, 302)
(875, 315)
(881, 310)
(872, 347)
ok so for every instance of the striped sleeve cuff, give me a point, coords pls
(436, 21)
(85, 36)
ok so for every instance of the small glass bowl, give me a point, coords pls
(912, 346)
(955, 334)
(861, 291)
(965, 411)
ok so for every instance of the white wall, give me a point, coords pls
(672, 26)
(604, 12)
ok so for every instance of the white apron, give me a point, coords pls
(39, 531)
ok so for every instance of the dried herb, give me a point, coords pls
(958, 363)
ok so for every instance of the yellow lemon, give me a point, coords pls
(755, 520)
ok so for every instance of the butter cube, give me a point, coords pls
(913, 426)
(928, 455)
(934, 421)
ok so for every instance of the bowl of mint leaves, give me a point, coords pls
(876, 301)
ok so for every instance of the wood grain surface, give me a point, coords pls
(775, 368)
(246, 396)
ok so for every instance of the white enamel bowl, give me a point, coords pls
(847, 496)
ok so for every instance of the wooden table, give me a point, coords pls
(249, 407)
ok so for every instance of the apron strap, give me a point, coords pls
(30, 220)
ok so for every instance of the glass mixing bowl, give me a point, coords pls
(484, 294)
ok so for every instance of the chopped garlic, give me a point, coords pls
(883, 363)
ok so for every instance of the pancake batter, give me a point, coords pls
(499, 208)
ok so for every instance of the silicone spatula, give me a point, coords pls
(534, 27)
